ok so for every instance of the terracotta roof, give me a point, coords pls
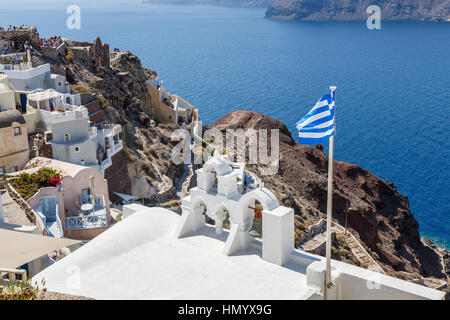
(66, 168)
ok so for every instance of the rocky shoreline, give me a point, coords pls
(341, 10)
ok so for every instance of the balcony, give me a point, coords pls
(96, 218)
(51, 117)
(110, 130)
(86, 222)
(105, 164)
(116, 147)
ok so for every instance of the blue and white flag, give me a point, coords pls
(318, 125)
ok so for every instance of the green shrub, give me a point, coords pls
(22, 290)
(170, 203)
(70, 55)
(28, 184)
(80, 88)
(103, 102)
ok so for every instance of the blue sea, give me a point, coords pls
(393, 95)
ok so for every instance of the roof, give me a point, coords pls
(219, 163)
(67, 169)
(43, 95)
(142, 259)
(7, 118)
(126, 197)
(19, 248)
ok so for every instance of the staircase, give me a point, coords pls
(358, 250)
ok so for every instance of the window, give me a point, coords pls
(77, 149)
(59, 84)
(17, 131)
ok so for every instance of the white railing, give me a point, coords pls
(106, 163)
(28, 74)
(43, 218)
(86, 222)
(59, 224)
(47, 224)
(116, 147)
(110, 129)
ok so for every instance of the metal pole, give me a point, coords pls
(329, 210)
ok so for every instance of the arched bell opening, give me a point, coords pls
(226, 221)
(255, 209)
(222, 219)
(215, 183)
(208, 219)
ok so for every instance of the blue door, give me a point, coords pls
(23, 102)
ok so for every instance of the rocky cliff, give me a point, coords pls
(377, 214)
(356, 9)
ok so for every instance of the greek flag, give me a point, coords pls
(318, 125)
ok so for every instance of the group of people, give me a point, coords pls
(13, 47)
(18, 28)
(54, 42)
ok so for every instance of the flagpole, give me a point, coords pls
(329, 209)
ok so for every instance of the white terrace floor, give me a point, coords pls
(140, 258)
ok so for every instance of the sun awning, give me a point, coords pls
(126, 197)
(18, 248)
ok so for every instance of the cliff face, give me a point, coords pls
(377, 214)
(356, 9)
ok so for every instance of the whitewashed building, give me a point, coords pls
(28, 78)
(68, 129)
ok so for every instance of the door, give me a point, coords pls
(49, 207)
(85, 196)
(23, 102)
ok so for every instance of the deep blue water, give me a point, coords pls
(393, 84)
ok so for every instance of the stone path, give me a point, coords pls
(317, 240)
(355, 246)
(358, 250)
(182, 185)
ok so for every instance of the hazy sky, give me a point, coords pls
(63, 3)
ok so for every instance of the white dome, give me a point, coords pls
(219, 163)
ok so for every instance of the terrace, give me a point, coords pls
(109, 139)
(91, 214)
(42, 190)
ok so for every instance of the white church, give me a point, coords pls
(233, 240)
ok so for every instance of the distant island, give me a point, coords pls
(315, 10)
(356, 9)
(227, 3)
